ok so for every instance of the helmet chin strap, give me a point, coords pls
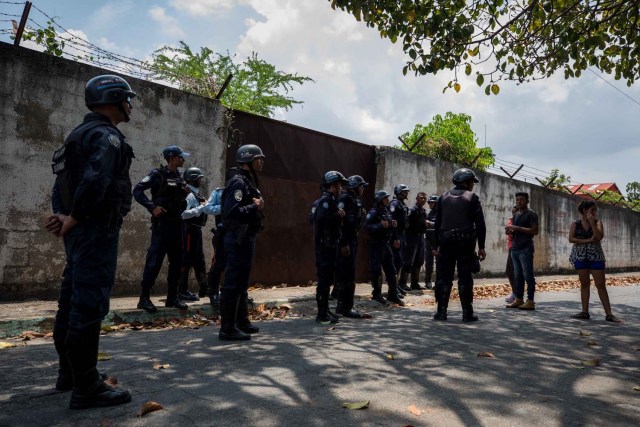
(123, 111)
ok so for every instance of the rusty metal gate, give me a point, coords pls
(296, 160)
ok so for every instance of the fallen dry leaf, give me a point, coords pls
(414, 410)
(149, 407)
(161, 366)
(103, 356)
(485, 354)
(585, 333)
(356, 405)
(591, 362)
(4, 344)
(391, 356)
(111, 380)
(332, 328)
(285, 307)
(367, 316)
(637, 388)
(592, 343)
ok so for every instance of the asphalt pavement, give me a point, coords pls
(510, 368)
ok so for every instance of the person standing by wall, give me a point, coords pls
(524, 227)
(91, 197)
(509, 268)
(459, 223)
(399, 211)
(430, 241)
(242, 216)
(414, 249)
(588, 258)
(168, 201)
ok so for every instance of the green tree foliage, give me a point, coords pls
(449, 138)
(633, 191)
(257, 87)
(47, 37)
(556, 181)
(508, 40)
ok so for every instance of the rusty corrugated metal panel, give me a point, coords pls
(297, 159)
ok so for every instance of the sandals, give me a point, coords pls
(612, 318)
(582, 315)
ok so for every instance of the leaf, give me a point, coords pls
(149, 406)
(161, 366)
(356, 405)
(103, 356)
(591, 362)
(391, 356)
(585, 333)
(368, 316)
(636, 388)
(414, 410)
(592, 343)
(111, 380)
(467, 69)
(480, 80)
(485, 354)
(456, 87)
(495, 89)
(4, 344)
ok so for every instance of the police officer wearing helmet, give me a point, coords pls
(459, 223)
(91, 196)
(351, 223)
(399, 212)
(413, 256)
(328, 219)
(194, 217)
(382, 231)
(242, 216)
(168, 201)
(430, 240)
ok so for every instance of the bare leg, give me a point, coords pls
(585, 282)
(600, 282)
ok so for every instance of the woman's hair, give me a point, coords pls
(585, 205)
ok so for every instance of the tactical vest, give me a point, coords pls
(255, 226)
(455, 209)
(416, 220)
(399, 213)
(170, 194)
(375, 216)
(200, 220)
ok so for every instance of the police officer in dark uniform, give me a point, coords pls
(430, 240)
(382, 231)
(459, 223)
(413, 256)
(168, 201)
(242, 216)
(346, 271)
(194, 218)
(328, 219)
(399, 211)
(91, 196)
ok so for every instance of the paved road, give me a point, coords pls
(298, 373)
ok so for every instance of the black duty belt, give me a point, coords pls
(458, 234)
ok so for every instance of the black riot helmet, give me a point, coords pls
(463, 175)
(381, 194)
(400, 188)
(332, 177)
(107, 89)
(355, 181)
(247, 153)
(432, 199)
(193, 174)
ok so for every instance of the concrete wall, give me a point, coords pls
(41, 101)
(555, 211)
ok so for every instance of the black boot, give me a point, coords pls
(201, 277)
(466, 301)
(228, 327)
(145, 301)
(348, 302)
(442, 298)
(89, 389)
(415, 277)
(213, 286)
(184, 294)
(172, 298)
(392, 295)
(323, 317)
(242, 317)
(342, 296)
(402, 281)
(376, 295)
(65, 376)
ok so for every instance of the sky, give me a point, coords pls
(587, 128)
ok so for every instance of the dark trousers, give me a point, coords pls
(218, 263)
(326, 261)
(166, 239)
(381, 259)
(91, 255)
(429, 247)
(413, 256)
(454, 253)
(240, 253)
(510, 273)
(193, 255)
(346, 269)
(398, 253)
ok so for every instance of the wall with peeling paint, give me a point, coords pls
(41, 101)
(555, 211)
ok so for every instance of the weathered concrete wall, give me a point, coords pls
(41, 101)
(556, 211)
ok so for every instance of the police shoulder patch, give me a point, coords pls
(146, 178)
(114, 140)
(340, 205)
(313, 210)
(238, 195)
(392, 208)
(368, 215)
(325, 205)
